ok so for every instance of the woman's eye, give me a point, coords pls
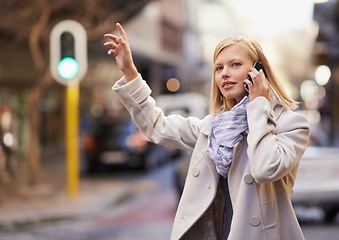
(236, 64)
(218, 68)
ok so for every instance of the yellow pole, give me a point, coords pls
(72, 139)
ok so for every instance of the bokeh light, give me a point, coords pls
(173, 84)
(322, 75)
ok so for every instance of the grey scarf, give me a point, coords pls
(226, 131)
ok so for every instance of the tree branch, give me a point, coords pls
(34, 37)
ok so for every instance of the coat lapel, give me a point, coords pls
(206, 125)
(205, 130)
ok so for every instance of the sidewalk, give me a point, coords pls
(48, 201)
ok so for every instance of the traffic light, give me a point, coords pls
(68, 52)
(68, 67)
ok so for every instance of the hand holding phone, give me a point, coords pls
(257, 65)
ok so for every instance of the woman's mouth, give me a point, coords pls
(228, 85)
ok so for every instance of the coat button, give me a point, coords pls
(255, 221)
(195, 172)
(248, 179)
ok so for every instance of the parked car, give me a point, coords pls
(116, 144)
(317, 182)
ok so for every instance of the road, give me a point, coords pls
(147, 214)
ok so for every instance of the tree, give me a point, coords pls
(29, 22)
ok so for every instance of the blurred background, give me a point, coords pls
(172, 43)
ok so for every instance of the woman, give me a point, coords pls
(245, 153)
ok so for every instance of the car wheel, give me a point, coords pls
(330, 213)
(92, 166)
(148, 164)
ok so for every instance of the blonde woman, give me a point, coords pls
(245, 153)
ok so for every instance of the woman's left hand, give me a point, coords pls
(259, 87)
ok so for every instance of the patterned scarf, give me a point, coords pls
(226, 131)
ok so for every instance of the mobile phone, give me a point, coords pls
(257, 65)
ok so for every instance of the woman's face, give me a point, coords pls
(231, 69)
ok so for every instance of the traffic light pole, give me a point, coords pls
(72, 138)
(68, 65)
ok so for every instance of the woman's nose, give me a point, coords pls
(225, 72)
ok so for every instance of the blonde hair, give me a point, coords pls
(255, 52)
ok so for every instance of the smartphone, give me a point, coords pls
(257, 65)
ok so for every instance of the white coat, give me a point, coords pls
(261, 176)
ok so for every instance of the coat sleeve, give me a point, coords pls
(275, 145)
(173, 131)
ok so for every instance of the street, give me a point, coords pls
(146, 214)
(69, 94)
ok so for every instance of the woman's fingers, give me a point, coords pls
(110, 44)
(115, 38)
(112, 37)
(116, 41)
(122, 32)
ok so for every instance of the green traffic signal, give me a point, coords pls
(68, 68)
(68, 52)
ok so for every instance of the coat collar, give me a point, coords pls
(278, 109)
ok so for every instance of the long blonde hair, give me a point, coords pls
(218, 101)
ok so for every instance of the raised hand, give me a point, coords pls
(119, 48)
